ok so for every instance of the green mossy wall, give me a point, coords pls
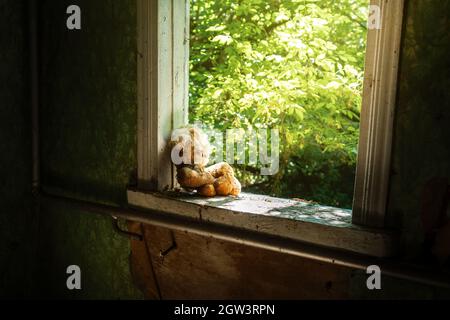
(14, 149)
(88, 128)
(422, 122)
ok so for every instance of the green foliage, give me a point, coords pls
(292, 65)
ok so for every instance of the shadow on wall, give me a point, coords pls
(88, 145)
(422, 125)
(15, 152)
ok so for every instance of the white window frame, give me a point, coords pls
(163, 84)
(377, 115)
(163, 80)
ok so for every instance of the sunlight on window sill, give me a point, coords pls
(311, 223)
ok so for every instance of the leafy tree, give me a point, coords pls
(292, 65)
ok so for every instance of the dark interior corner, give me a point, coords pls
(88, 151)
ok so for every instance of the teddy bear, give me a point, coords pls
(190, 151)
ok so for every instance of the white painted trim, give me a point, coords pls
(163, 80)
(377, 115)
(319, 225)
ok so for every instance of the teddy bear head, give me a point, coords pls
(190, 146)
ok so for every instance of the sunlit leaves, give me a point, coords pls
(294, 65)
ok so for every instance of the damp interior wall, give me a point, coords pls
(14, 150)
(88, 145)
(421, 147)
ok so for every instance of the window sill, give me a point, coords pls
(310, 223)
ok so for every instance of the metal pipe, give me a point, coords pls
(268, 242)
(34, 91)
(125, 233)
(33, 215)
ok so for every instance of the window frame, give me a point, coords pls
(163, 84)
(377, 116)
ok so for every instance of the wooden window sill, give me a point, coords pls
(295, 220)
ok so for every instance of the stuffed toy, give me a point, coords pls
(190, 154)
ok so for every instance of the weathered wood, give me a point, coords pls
(140, 265)
(377, 115)
(204, 268)
(325, 226)
(163, 78)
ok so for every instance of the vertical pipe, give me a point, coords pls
(33, 221)
(34, 90)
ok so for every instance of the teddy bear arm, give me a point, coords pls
(191, 178)
(220, 169)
